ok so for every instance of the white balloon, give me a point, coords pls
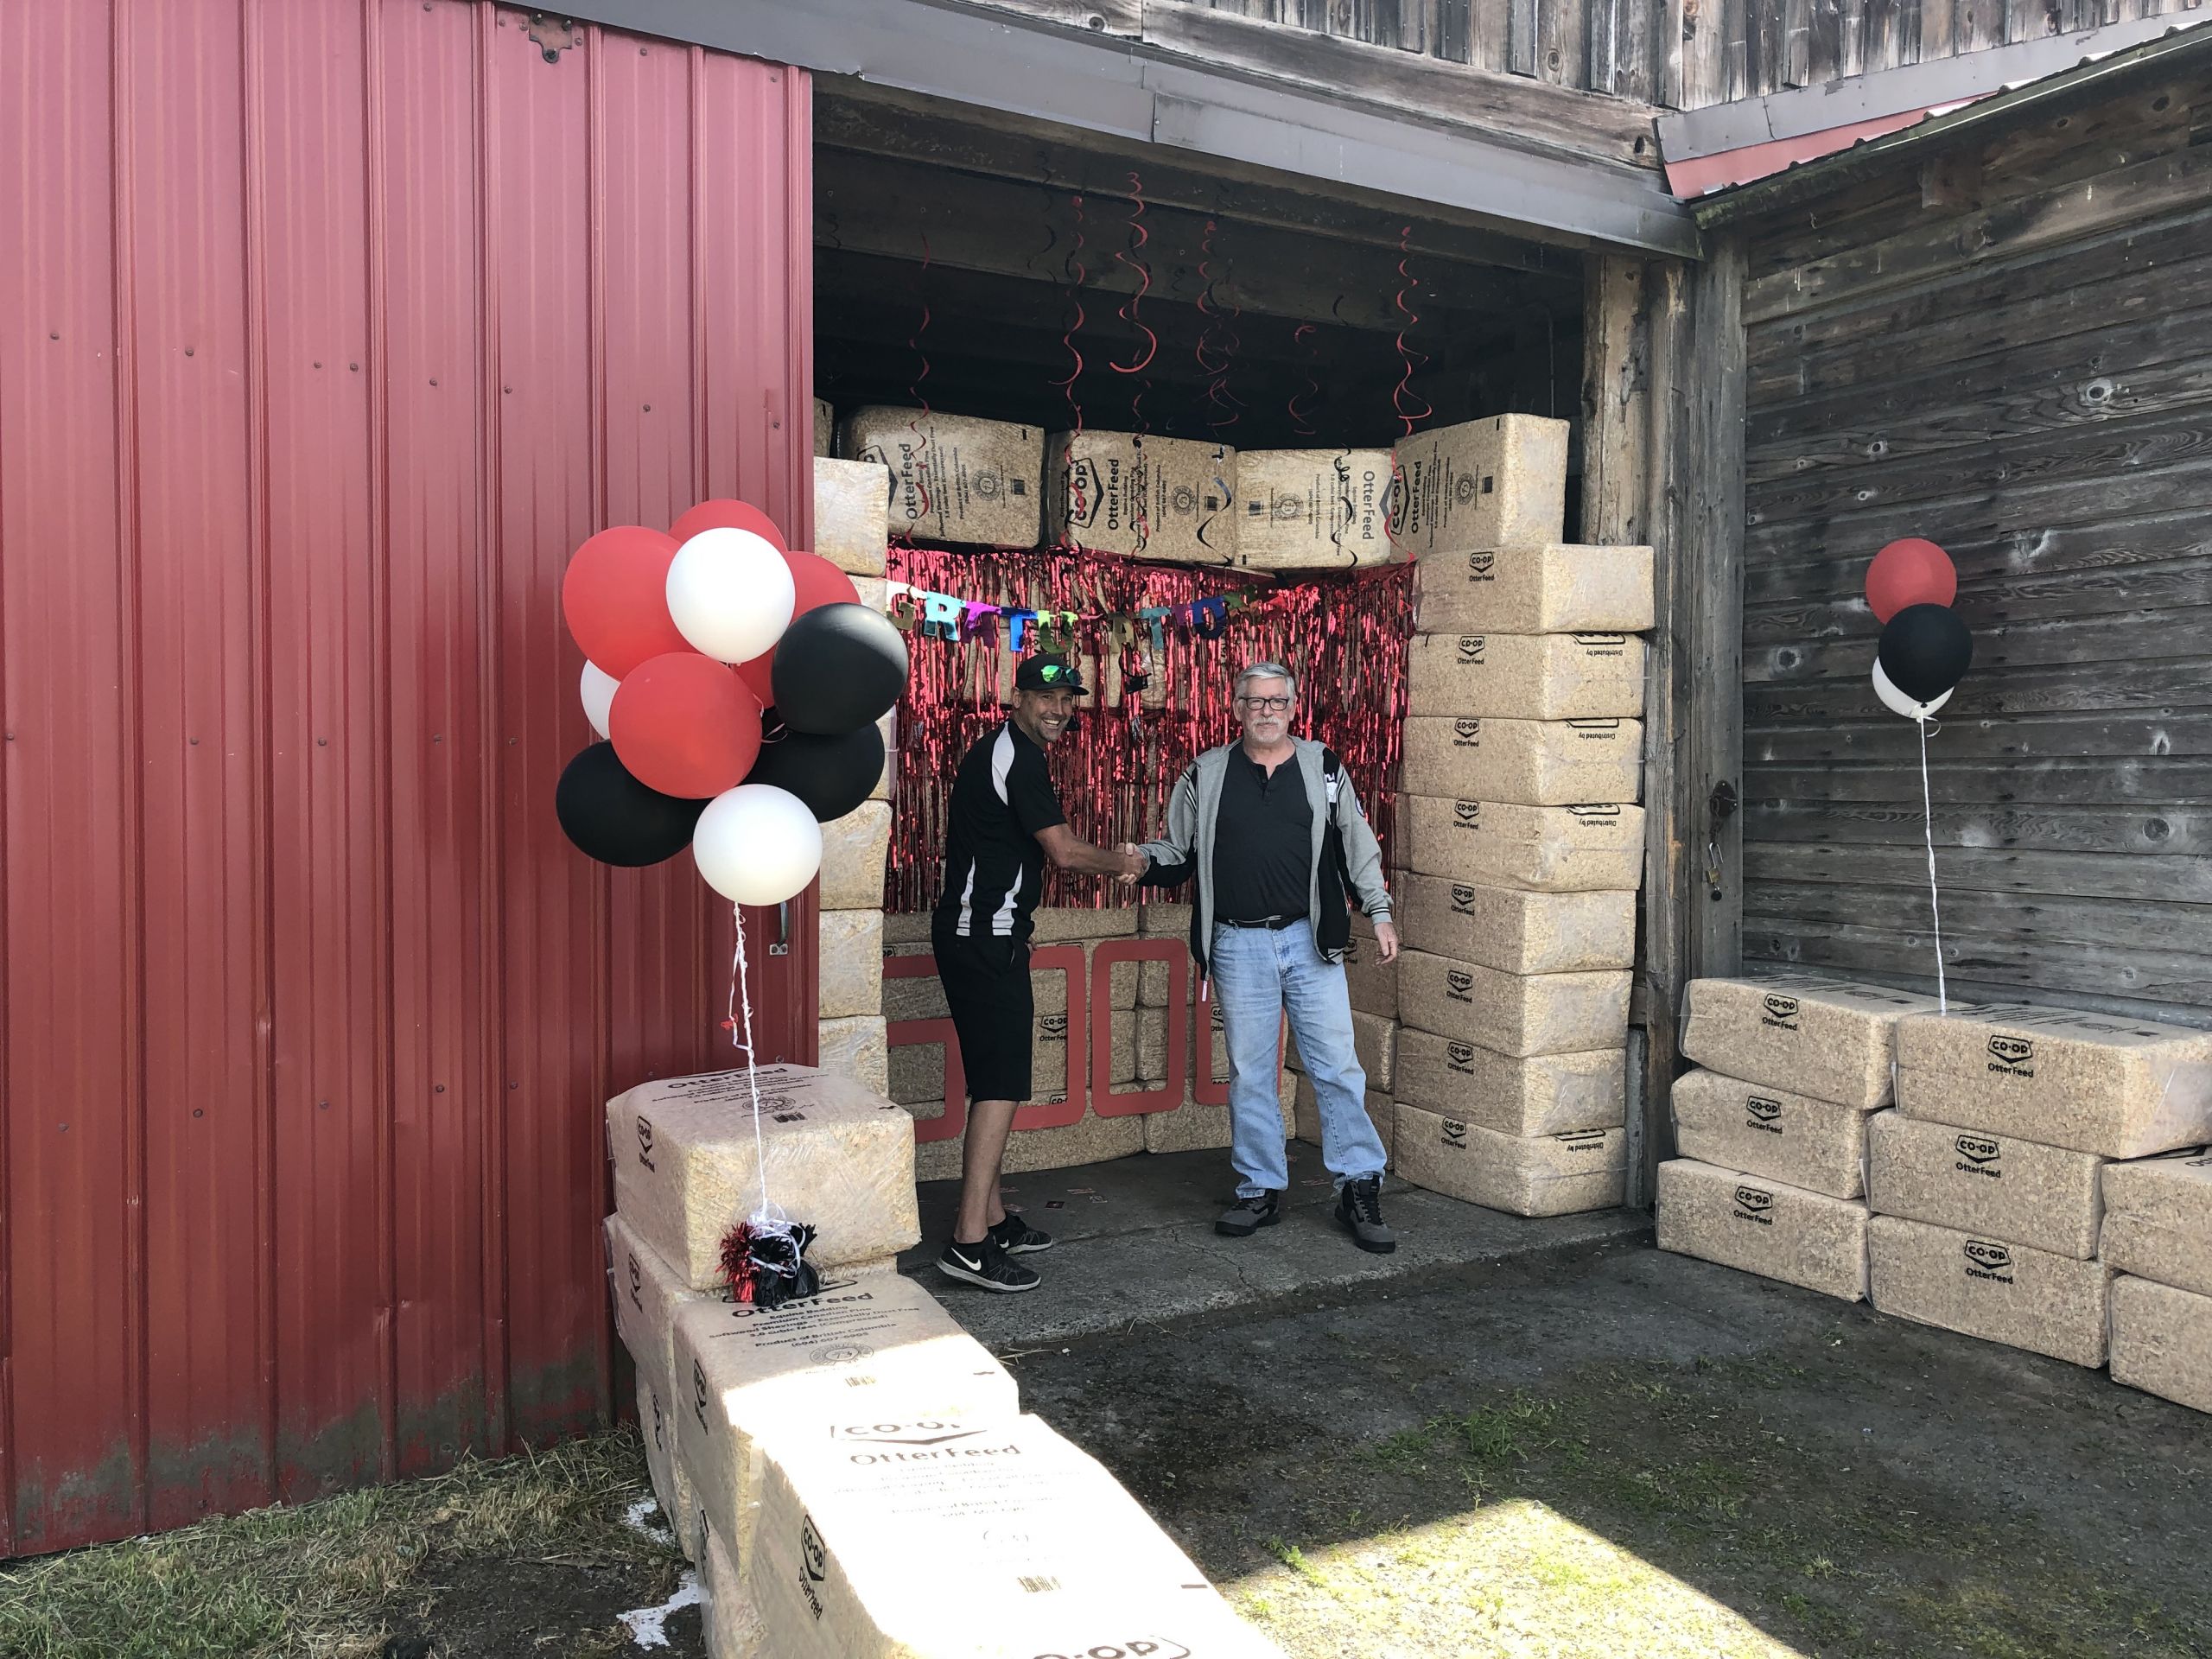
(730, 594)
(1896, 701)
(757, 844)
(599, 687)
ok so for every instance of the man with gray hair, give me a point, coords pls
(1271, 827)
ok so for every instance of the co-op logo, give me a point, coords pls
(1755, 1204)
(1460, 985)
(813, 1555)
(1762, 1109)
(1471, 646)
(1136, 1647)
(1463, 900)
(644, 1141)
(1461, 1056)
(1479, 565)
(1977, 1150)
(636, 1281)
(1466, 733)
(1468, 815)
(926, 1432)
(1455, 1133)
(1781, 1012)
(1988, 1260)
(2011, 1052)
(1054, 1024)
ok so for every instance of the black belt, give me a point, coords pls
(1273, 923)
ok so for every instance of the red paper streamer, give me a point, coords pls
(916, 395)
(1077, 272)
(1300, 420)
(1345, 636)
(1132, 308)
(1406, 353)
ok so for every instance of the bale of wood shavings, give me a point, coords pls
(2158, 1220)
(1374, 1045)
(1792, 1138)
(1524, 1175)
(1525, 675)
(855, 849)
(851, 522)
(1551, 587)
(1306, 1116)
(664, 1470)
(1831, 1038)
(2010, 1294)
(727, 1618)
(1517, 931)
(1500, 481)
(1548, 848)
(954, 478)
(647, 1293)
(1528, 762)
(1519, 1014)
(881, 1348)
(688, 1158)
(1372, 982)
(1144, 497)
(2162, 1341)
(1764, 1227)
(2097, 1082)
(1990, 1185)
(1543, 1093)
(857, 1048)
(1313, 509)
(825, 429)
(850, 963)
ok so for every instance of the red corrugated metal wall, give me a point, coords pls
(327, 329)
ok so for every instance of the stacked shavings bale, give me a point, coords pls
(727, 1618)
(953, 479)
(2158, 1220)
(1146, 498)
(1524, 1175)
(1516, 930)
(1306, 1116)
(1372, 982)
(1527, 587)
(1762, 1226)
(851, 930)
(852, 527)
(1514, 1015)
(1539, 1094)
(1313, 509)
(851, 961)
(1583, 849)
(2023, 1298)
(1993, 1186)
(1588, 676)
(1374, 1042)
(1773, 1132)
(1524, 762)
(647, 1292)
(874, 1348)
(2162, 1340)
(825, 429)
(955, 1538)
(1499, 482)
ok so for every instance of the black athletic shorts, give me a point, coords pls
(987, 984)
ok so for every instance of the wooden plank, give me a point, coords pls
(2164, 184)
(1453, 28)
(1637, 27)
(2106, 830)
(1696, 52)
(1938, 30)
(1562, 41)
(1610, 130)
(2051, 974)
(1889, 35)
(2112, 637)
(1616, 395)
(2160, 685)
(1521, 27)
(1799, 20)
(1604, 44)
(2148, 739)
(2066, 780)
(2154, 880)
(2004, 601)
(1977, 917)
(1850, 42)
(1124, 18)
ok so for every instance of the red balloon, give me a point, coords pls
(729, 515)
(817, 582)
(1910, 572)
(684, 725)
(615, 596)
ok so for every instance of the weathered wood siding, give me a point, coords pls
(2007, 349)
(1679, 54)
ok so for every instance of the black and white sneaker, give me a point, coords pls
(987, 1267)
(1247, 1215)
(1359, 1212)
(1017, 1238)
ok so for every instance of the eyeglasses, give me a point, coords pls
(1266, 705)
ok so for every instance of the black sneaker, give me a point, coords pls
(1359, 1212)
(985, 1267)
(1017, 1238)
(1247, 1216)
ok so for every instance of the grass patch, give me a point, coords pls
(327, 1579)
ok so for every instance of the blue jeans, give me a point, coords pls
(1256, 976)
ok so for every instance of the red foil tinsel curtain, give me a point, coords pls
(1346, 637)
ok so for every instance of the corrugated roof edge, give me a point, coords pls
(2100, 73)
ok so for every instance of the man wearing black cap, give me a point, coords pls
(1004, 822)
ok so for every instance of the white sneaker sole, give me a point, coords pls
(967, 1276)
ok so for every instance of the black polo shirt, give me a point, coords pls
(1003, 795)
(1264, 841)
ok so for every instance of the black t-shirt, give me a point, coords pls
(1264, 841)
(994, 864)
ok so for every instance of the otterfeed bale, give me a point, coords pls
(1496, 482)
(727, 1618)
(2158, 1220)
(1524, 1175)
(1519, 931)
(1985, 1287)
(688, 1161)
(1544, 1094)
(1552, 588)
(1831, 1038)
(1530, 762)
(1372, 982)
(647, 1292)
(1764, 1227)
(851, 528)
(857, 1048)
(953, 478)
(1814, 1144)
(1990, 1185)
(1515, 1014)
(2162, 1341)
(1374, 1045)
(670, 1481)
(1313, 509)
(1525, 675)
(874, 1348)
(2096, 1082)
(1584, 849)
(1144, 497)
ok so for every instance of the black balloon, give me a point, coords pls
(832, 775)
(837, 668)
(613, 818)
(1925, 650)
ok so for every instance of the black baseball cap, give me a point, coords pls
(1048, 672)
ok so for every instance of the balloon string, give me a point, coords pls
(769, 1218)
(1935, 902)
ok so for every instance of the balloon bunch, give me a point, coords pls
(1925, 650)
(736, 685)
